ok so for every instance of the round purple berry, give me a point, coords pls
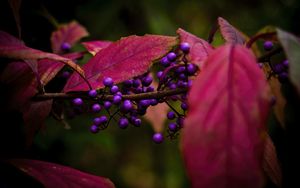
(147, 81)
(171, 115)
(77, 102)
(144, 103)
(159, 74)
(172, 86)
(158, 138)
(103, 119)
(127, 105)
(117, 99)
(191, 68)
(185, 47)
(165, 62)
(184, 106)
(123, 123)
(180, 69)
(128, 83)
(150, 89)
(268, 45)
(66, 74)
(94, 129)
(153, 102)
(278, 68)
(182, 84)
(65, 46)
(172, 127)
(182, 76)
(107, 104)
(285, 63)
(136, 83)
(108, 82)
(97, 121)
(93, 93)
(96, 107)
(137, 122)
(114, 89)
(171, 56)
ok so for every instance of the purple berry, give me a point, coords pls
(136, 83)
(185, 47)
(138, 90)
(285, 63)
(137, 122)
(165, 62)
(180, 121)
(283, 76)
(77, 102)
(172, 86)
(278, 68)
(182, 84)
(117, 99)
(93, 93)
(171, 56)
(94, 129)
(180, 69)
(158, 138)
(127, 105)
(107, 104)
(184, 106)
(172, 127)
(123, 123)
(97, 121)
(147, 81)
(103, 119)
(191, 68)
(128, 83)
(159, 74)
(144, 103)
(182, 76)
(268, 45)
(65, 46)
(66, 74)
(108, 82)
(150, 89)
(171, 115)
(114, 89)
(96, 107)
(153, 102)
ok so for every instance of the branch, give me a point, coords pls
(84, 95)
(266, 57)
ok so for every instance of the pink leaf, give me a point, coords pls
(95, 46)
(156, 115)
(200, 49)
(55, 175)
(270, 164)
(11, 47)
(124, 59)
(230, 33)
(222, 141)
(69, 33)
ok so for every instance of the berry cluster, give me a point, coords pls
(174, 72)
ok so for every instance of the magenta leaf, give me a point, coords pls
(95, 46)
(130, 56)
(291, 46)
(200, 49)
(230, 33)
(11, 47)
(224, 131)
(67, 33)
(55, 175)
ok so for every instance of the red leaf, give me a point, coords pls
(34, 115)
(11, 47)
(230, 33)
(95, 46)
(222, 139)
(54, 175)
(126, 58)
(200, 49)
(69, 33)
(270, 164)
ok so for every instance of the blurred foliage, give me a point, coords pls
(129, 157)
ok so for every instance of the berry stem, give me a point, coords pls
(149, 95)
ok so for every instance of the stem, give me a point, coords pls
(149, 95)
